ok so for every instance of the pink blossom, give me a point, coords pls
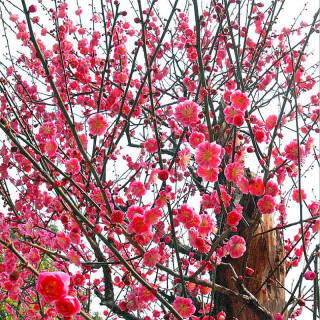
(185, 213)
(14, 17)
(206, 225)
(78, 279)
(236, 246)
(151, 145)
(259, 134)
(233, 218)
(196, 138)
(48, 130)
(74, 257)
(72, 166)
(296, 196)
(53, 285)
(291, 151)
(234, 116)
(152, 216)
(210, 174)
(184, 307)
(221, 316)
(271, 122)
(132, 302)
(145, 295)
(184, 158)
(163, 175)
(187, 113)
(240, 100)
(98, 124)
(209, 155)
(133, 210)
(243, 185)
(234, 171)
(117, 216)
(151, 257)
(138, 225)
(62, 240)
(68, 306)
(257, 187)
(193, 222)
(137, 188)
(272, 188)
(278, 316)
(267, 204)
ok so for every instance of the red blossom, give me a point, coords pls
(53, 285)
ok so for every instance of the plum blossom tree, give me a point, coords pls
(152, 160)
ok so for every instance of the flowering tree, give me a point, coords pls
(149, 154)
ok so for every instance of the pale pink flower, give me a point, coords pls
(184, 158)
(243, 185)
(236, 246)
(187, 113)
(193, 235)
(132, 302)
(14, 17)
(98, 124)
(74, 257)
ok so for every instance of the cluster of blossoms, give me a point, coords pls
(54, 288)
(208, 158)
(239, 103)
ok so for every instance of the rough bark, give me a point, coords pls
(265, 254)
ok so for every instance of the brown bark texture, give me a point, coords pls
(265, 254)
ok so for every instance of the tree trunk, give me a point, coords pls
(265, 254)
